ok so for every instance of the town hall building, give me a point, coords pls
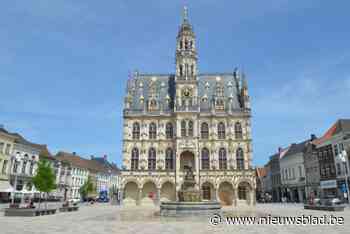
(183, 120)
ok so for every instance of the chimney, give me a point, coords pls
(313, 137)
(92, 157)
(280, 149)
(105, 157)
(74, 153)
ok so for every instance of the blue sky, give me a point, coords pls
(64, 65)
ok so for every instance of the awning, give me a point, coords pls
(5, 187)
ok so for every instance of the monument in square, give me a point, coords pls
(190, 200)
(187, 135)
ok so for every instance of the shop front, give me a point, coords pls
(328, 188)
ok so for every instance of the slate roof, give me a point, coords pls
(75, 160)
(92, 165)
(110, 167)
(19, 139)
(138, 87)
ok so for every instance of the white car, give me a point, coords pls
(74, 200)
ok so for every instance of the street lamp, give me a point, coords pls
(15, 159)
(343, 158)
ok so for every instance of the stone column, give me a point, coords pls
(139, 196)
(177, 176)
(215, 194)
(158, 196)
(252, 197)
(197, 162)
(121, 196)
(300, 195)
(235, 199)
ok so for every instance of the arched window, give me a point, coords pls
(169, 159)
(221, 130)
(152, 159)
(242, 193)
(240, 159)
(191, 44)
(24, 167)
(169, 131)
(136, 131)
(152, 131)
(192, 70)
(190, 128)
(238, 130)
(222, 159)
(205, 159)
(181, 70)
(134, 159)
(181, 45)
(204, 130)
(186, 44)
(183, 128)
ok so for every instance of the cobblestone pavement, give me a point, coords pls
(104, 218)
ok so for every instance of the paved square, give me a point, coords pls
(104, 218)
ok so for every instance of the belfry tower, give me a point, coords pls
(186, 54)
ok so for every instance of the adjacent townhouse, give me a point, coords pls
(23, 166)
(62, 170)
(79, 172)
(332, 150)
(105, 176)
(293, 172)
(110, 181)
(276, 185)
(260, 183)
(312, 169)
(7, 141)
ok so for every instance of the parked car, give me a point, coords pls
(331, 201)
(74, 201)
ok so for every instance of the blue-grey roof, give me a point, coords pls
(140, 85)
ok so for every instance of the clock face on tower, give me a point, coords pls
(187, 92)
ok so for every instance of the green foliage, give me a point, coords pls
(44, 180)
(86, 188)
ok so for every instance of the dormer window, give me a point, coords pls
(152, 105)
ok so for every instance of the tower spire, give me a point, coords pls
(185, 14)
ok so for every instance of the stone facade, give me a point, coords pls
(187, 118)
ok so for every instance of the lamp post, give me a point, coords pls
(15, 160)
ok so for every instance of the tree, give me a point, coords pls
(45, 178)
(86, 188)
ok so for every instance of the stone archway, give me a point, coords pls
(187, 159)
(167, 192)
(149, 193)
(226, 193)
(130, 193)
(245, 193)
(208, 191)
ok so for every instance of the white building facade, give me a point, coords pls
(293, 173)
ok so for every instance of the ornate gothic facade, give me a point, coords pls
(187, 118)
